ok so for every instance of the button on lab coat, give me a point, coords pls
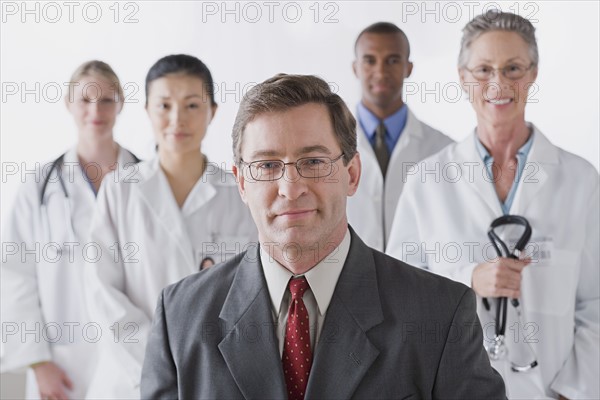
(441, 224)
(159, 244)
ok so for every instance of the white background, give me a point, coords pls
(254, 41)
(244, 43)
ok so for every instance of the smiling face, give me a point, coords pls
(180, 111)
(381, 65)
(94, 104)
(498, 100)
(303, 211)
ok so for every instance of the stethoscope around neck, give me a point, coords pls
(498, 350)
(56, 167)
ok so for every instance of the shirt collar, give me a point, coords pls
(522, 153)
(322, 278)
(394, 124)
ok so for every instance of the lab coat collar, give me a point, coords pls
(413, 126)
(543, 159)
(156, 192)
(543, 155)
(151, 177)
(413, 130)
(74, 175)
(467, 157)
(542, 150)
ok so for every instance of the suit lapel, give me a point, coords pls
(344, 352)
(250, 348)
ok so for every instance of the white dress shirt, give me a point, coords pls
(322, 279)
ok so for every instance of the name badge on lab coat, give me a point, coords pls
(540, 250)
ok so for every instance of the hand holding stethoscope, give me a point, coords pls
(500, 277)
(497, 349)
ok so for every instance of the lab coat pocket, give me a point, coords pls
(549, 285)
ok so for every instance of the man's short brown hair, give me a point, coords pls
(282, 92)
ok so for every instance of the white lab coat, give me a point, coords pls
(42, 290)
(441, 224)
(371, 210)
(161, 244)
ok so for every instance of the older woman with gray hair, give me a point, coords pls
(515, 217)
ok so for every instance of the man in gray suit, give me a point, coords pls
(311, 311)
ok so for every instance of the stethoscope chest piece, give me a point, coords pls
(497, 350)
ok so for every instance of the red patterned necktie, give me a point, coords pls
(297, 356)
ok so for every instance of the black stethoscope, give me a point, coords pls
(498, 350)
(57, 167)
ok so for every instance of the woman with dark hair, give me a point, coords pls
(157, 225)
(44, 295)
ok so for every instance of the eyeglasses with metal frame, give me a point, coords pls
(511, 71)
(307, 167)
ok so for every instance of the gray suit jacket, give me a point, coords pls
(392, 331)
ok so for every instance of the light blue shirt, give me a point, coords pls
(394, 125)
(88, 180)
(521, 161)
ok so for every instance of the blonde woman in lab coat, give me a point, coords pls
(175, 214)
(45, 324)
(508, 166)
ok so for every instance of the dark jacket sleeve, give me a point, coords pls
(464, 371)
(159, 374)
